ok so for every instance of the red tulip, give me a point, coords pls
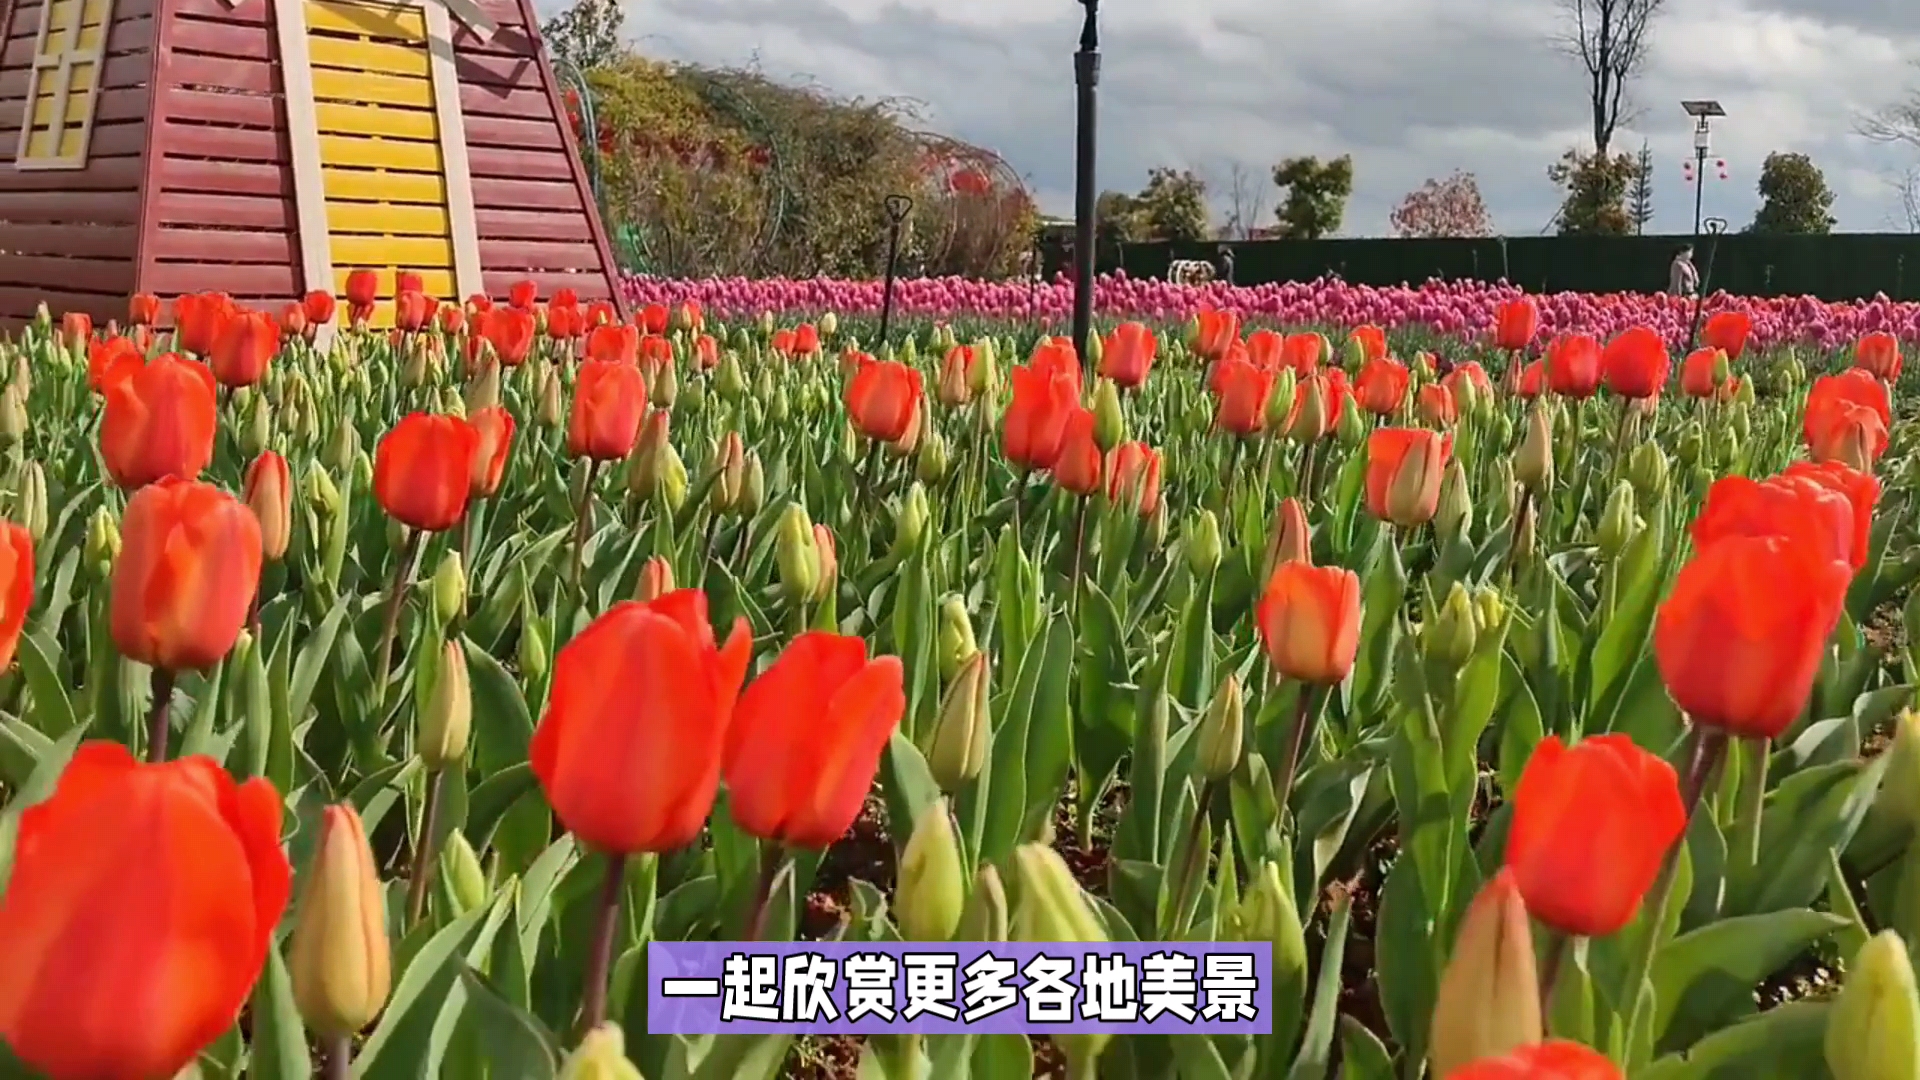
(1129, 354)
(1573, 366)
(1381, 386)
(882, 400)
(188, 569)
(423, 470)
(16, 587)
(609, 401)
(1728, 332)
(1516, 323)
(159, 419)
(1635, 363)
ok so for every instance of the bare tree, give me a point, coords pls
(1896, 123)
(1610, 39)
(1908, 186)
(1246, 202)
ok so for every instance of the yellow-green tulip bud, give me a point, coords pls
(1450, 636)
(449, 588)
(1722, 367)
(1350, 427)
(1308, 419)
(753, 487)
(1533, 462)
(103, 540)
(259, 430)
(795, 554)
(985, 917)
(828, 325)
(932, 888)
(1647, 470)
(1286, 386)
(1618, 521)
(730, 382)
(956, 641)
(910, 520)
(1353, 353)
(344, 445)
(602, 1055)
(447, 717)
(1096, 350)
(30, 501)
(533, 648)
(483, 390)
(13, 415)
(1109, 421)
(664, 389)
(1899, 794)
(1489, 610)
(958, 750)
(1454, 517)
(1873, 1028)
(1217, 753)
(1691, 445)
(673, 479)
(461, 877)
(1050, 905)
(1202, 543)
(551, 410)
(1489, 996)
(322, 494)
(340, 961)
(984, 376)
(930, 467)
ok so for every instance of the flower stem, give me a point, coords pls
(422, 873)
(583, 524)
(606, 922)
(336, 1054)
(1192, 864)
(1303, 717)
(157, 723)
(396, 591)
(1557, 943)
(772, 859)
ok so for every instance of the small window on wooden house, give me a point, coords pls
(64, 84)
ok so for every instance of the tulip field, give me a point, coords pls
(1541, 688)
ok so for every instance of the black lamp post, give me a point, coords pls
(1715, 226)
(1702, 112)
(897, 208)
(1086, 76)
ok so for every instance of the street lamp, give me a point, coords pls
(1702, 112)
(1086, 76)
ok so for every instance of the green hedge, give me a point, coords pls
(1846, 266)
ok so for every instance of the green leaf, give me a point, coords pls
(489, 802)
(312, 661)
(1002, 1055)
(278, 1049)
(52, 713)
(502, 724)
(1786, 1043)
(414, 1032)
(1704, 979)
(1316, 1044)
(1362, 1055)
(518, 1046)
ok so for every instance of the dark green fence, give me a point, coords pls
(1848, 266)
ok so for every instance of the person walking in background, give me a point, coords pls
(1682, 278)
(1226, 264)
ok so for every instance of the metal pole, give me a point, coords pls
(1086, 76)
(1699, 185)
(897, 207)
(1715, 226)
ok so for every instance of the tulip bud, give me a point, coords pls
(1353, 353)
(533, 648)
(1489, 996)
(753, 487)
(464, 882)
(664, 390)
(1899, 793)
(1109, 422)
(656, 579)
(1202, 543)
(602, 1055)
(1449, 636)
(1217, 753)
(673, 479)
(13, 415)
(1691, 445)
(985, 917)
(931, 466)
(1286, 387)
(956, 641)
(1618, 522)
(1097, 349)
(344, 445)
(1291, 540)
(910, 520)
(1533, 463)
(1455, 514)
(483, 390)
(932, 882)
(1350, 427)
(730, 382)
(259, 430)
(551, 411)
(1873, 1028)
(794, 553)
(103, 541)
(339, 959)
(961, 734)
(1190, 334)
(1489, 610)
(449, 588)
(267, 495)
(1267, 913)
(30, 505)
(1311, 419)
(828, 325)
(984, 376)
(1467, 395)
(321, 493)
(446, 716)
(1647, 470)
(1722, 367)
(1050, 905)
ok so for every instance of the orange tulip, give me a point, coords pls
(1573, 366)
(510, 330)
(143, 309)
(1309, 621)
(1404, 470)
(1266, 349)
(198, 320)
(1133, 477)
(98, 987)
(629, 750)
(1879, 354)
(1128, 355)
(1516, 323)
(413, 311)
(1741, 637)
(1035, 425)
(319, 307)
(1555, 1059)
(107, 352)
(1861, 489)
(1533, 379)
(189, 565)
(521, 294)
(494, 427)
(1373, 342)
(806, 339)
(654, 318)
(1244, 390)
(245, 345)
(782, 343)
(806, 739)
(1727, 331)
(159, 420)
(1079, 468)
(1218, 331)
(423, 470)
(363, 290)
(293, 321)
(1799, 507)
(1437, 407)
(1697, 374)
(1635, 363)
(883, 400)
(616, 344)
(1591, 828)
(1303, 352)
(269, 494)
(1847, 418)
(1381, 386)
(565, 321)
(1057, 358)
(955, 387)
(609, 401)
(1468, 372)
(16, 587)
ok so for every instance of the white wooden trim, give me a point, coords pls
(303, 138)
(462, 223)
(468, 11)
(60, 65)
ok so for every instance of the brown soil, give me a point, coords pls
(823, 1057)
(1886, 630)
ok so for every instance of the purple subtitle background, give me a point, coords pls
(1090, 1010)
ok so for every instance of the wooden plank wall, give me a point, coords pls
(68, 237)
(537, 216)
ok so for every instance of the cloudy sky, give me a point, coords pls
(1410, 88)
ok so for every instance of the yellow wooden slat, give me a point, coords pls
(337, 118)
(360, 185)
(95, 12)
(359, 88)
(92, 39)
(372, 57)
(390, 21)
(40, 144)
(394, 154)
(351, 250)
(389, 218)
(437, 283)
